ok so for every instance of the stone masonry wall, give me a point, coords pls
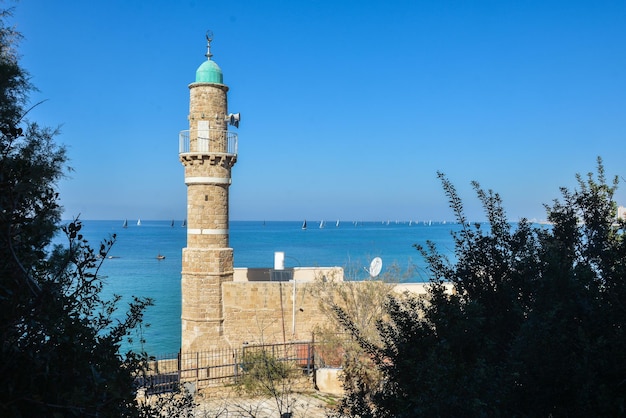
(207, 260)
(263, 312)
(208, 101)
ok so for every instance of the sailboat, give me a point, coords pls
(304, 224)
(172, 225)
(125, 223)
(184, 223)
(337, 225)
(138, 222)
(322, 224)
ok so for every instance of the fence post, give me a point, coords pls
(308, 358)
(179, 358)
(197, 366)
(313, 359)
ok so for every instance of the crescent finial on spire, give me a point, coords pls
(209, 38)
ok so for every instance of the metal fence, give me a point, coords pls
(213, 141)
(300, 354)
(216, 367)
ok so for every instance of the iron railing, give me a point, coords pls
(211, 141)
(220, 366)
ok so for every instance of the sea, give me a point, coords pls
(133, 267)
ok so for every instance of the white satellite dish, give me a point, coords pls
(376, 266)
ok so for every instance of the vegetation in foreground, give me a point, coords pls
(59, 340)
(535, 326)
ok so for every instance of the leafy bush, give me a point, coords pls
(59, 340)
(535, 325)
(264, 374)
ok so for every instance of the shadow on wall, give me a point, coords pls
(301, 274)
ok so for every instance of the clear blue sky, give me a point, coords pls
(348, 108)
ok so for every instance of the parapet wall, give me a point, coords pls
(257, 310)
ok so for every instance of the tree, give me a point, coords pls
(534, 326)
(59, 340)
(263, 374)
(363, 301)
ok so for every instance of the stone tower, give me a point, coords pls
(208, 152)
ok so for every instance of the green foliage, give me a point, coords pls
(61, 344)
(59, 340)
(171, 405)
(534, 327)
(362, 299)
(363, 302)
(264, 374)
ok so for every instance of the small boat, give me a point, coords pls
(160, 257)
(184, 223)
(138, 222)
(125, 225)
(304, 224)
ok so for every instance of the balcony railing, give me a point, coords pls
(212, 141)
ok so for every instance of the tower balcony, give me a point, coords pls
(211, 141)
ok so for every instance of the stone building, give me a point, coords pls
(208, 151)
(222, 307)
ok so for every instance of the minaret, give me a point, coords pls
(208, 151)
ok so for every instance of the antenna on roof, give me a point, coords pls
(209, 38)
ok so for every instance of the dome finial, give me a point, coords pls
(209, 38)
(209, 71)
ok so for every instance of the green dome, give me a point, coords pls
(209, 72)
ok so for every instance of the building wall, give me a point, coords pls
(207, 260)
(264, 312)
(257, 310)
(208, 101)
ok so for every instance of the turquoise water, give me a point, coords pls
(135, 269)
